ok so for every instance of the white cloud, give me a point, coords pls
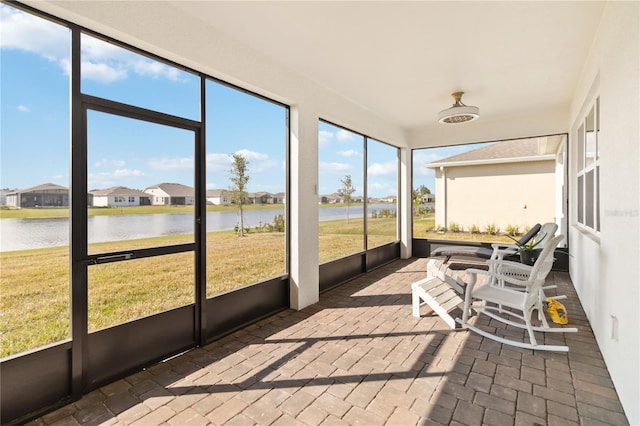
(381, 189)
(100, 180)
(333, 168)
(176, 164)
(24, 31)
(102, 72)
(382, 169)
(252, 155)
(324, 138)
(422, 157)
(109, 61)
(351, 153)
(153, 69)
(104, 180)
(258, 161)
(104, 162)
(344, 135)
(23, 108)
(101, 61)
(217, 163)
(127, 173)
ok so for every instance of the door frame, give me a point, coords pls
(98, 357)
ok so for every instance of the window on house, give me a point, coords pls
(588, 167)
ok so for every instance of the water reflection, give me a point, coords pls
(24, 234)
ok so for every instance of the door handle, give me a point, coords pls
(111, 258)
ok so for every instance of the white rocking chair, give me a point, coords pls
(498, 299)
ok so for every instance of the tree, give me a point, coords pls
(346, 191)
(238, 175)
(418, 193)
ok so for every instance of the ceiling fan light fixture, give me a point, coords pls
(459, 112)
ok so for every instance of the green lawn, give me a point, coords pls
(34, 284)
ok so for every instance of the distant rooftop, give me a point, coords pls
(512, 150)
(43, 187)
(175, 189)
(119, 191)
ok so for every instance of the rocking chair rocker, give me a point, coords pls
(511, 289)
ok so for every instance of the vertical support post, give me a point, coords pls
(365, 204)
(406, 203)
(78, 227)
(302, 201)
(201, 224)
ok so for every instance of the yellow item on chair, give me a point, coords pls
(557, 312)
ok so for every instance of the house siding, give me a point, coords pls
(603, 266)
(521, 194)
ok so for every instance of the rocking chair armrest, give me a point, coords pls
(502, 250)
(497, 263)
(473, 277)
(499, 246)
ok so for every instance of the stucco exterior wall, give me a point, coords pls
(520, 194)
(106, 201)
(604, 266)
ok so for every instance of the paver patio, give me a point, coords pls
(358, 357)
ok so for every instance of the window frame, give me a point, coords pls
(587, 213)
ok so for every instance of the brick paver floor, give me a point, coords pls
(358, 357)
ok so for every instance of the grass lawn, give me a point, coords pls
(34, 284)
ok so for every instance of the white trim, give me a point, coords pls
(530, 158)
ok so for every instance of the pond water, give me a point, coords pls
(23, 234)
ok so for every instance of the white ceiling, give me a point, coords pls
(400, 60)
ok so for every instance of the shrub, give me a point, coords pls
(492, 229)
(439, 228)
(454, 227)
(474, 229)
(278, 223)
(387, 213)
(512, 230)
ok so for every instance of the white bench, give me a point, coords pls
(441, 290)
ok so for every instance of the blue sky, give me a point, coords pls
(35, 123)
(425, 176)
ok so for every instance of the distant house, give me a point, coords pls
(3, 197)
(514, 180)
(46, 195)
(219, 197)
(171, 194)
(428, 198)
(279, 198)
(258, 197)
(265, 198)
(388, 199)
(331, 199)
(119, 196)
